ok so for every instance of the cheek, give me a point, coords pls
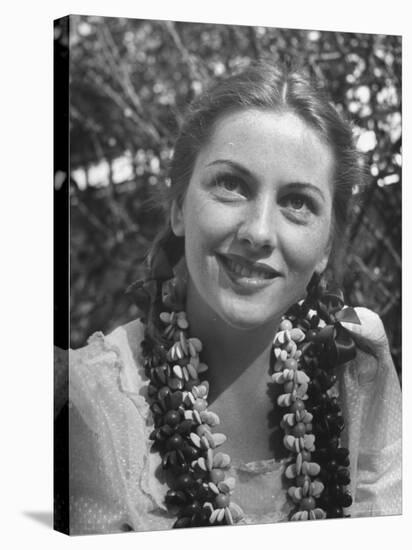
(304, 247)
(206, 224)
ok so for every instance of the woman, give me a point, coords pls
(219, 405)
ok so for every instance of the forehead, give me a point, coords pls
(280, 143)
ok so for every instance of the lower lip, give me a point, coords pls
(245, 283)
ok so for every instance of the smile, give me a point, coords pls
(245, 272)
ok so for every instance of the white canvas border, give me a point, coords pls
(26, 283)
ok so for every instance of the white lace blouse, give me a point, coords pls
(116, 482)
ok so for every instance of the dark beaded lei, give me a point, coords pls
(310, 344)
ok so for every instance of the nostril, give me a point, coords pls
(261, 240)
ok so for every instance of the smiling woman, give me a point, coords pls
(235, 316)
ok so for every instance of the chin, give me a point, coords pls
(245, 318)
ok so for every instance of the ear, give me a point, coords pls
(177, 219)
(323, 262)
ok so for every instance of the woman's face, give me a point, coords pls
(256, 216)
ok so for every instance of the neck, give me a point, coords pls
(237, 358)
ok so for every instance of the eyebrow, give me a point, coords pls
(236, 166)
(246, 172)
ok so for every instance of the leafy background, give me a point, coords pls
(130, 81)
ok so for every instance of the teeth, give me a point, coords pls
(243, 271)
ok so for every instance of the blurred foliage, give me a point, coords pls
(131, 79)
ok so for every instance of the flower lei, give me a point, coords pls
(310, 342)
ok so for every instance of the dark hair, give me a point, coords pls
(261, 86)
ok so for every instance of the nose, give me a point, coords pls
(258, 227)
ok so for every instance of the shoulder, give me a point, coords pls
(111, 467)
(369, 334)
(373, 353)
(110, 363)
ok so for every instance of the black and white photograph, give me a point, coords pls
(232, 350)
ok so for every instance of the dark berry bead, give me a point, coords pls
(314, 321)
(342, 452)
(334, 405)
(185, 427)
(322, 440)
(174, 399)
(182, 522)
(160, 437)
(156, 409)
(345, 462)
(299, 429)
(334, 512)
(174, 442)
(203, 493)
(166, 430)
(334, 490)
(196, 519)
(324, 400)
(191, 453)
(297, 405)
(181, 460)
(324, 475)
(335, 425)
(321, 455)
(326, 380)
(158, 420)
(307, 503)
(175, 498)
(222, 500)
(321, 428)
(175, 383)
(191, 493)
(291, 364)
(343, 477)
(172, 459)
(332, 465)
(333, 443)
(151, 390)
(217, 475)
(345, 500)
(185, 481)
(314, 389)
(311, 334)
(160, 374)
(191, 509)
(172, 418)
(189, 385)
(324, 500)
(163, 392)
(204, 516)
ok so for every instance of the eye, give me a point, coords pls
(298, 206)
(229, 185)
(297, 202)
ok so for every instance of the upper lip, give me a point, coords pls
(265, 268)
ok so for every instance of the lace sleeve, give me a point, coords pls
(371, 399)
(112, 482)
